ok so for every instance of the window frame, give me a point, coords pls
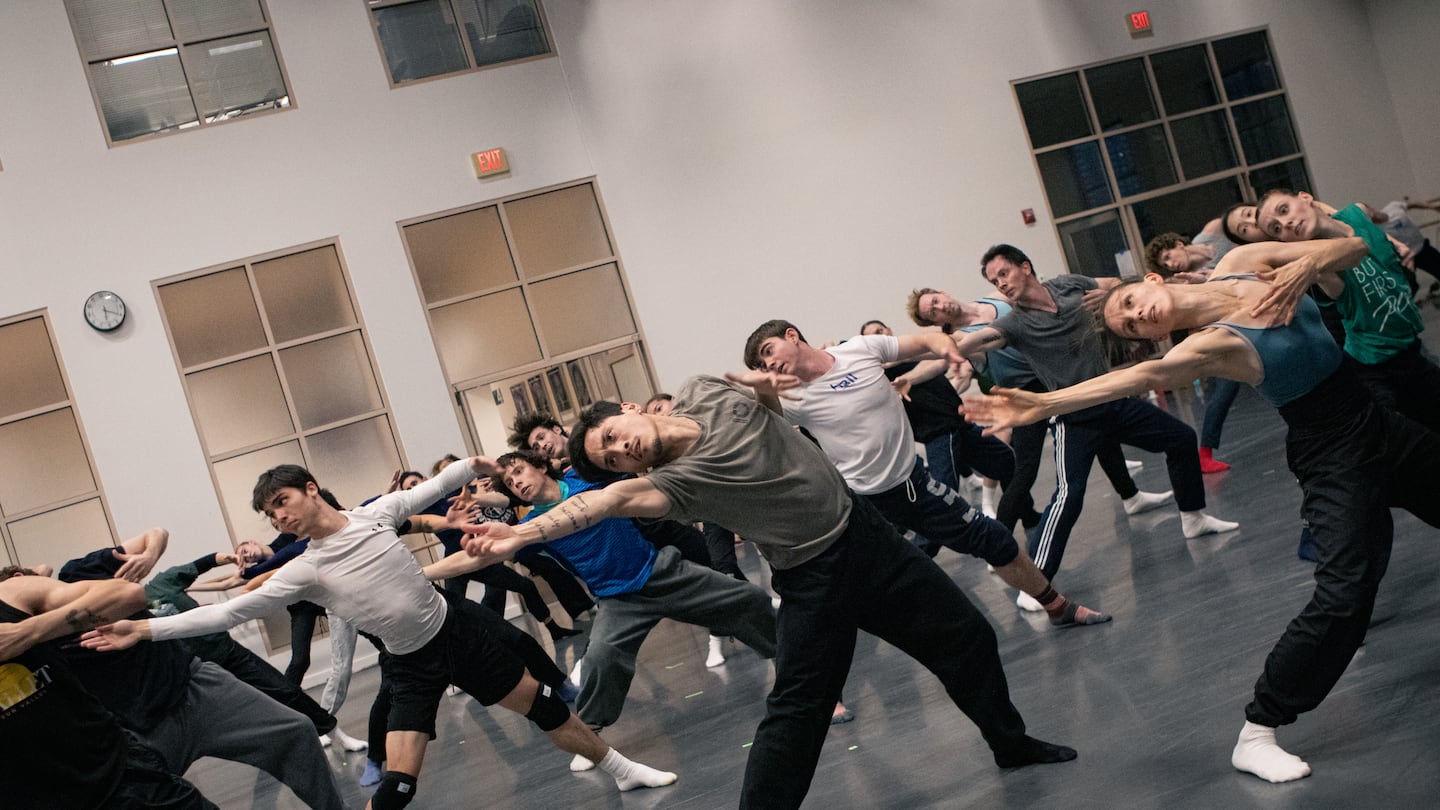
(1123, 204)
(371, 6)
(87, 60)
(98, 493)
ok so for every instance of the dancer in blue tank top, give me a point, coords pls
(1352, 458)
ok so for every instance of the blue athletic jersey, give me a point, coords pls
(611, 556)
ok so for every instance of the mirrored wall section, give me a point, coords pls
(529, 309)
(51, 505)
(1164, 141)
(278, 370)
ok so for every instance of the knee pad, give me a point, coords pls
(548, 712)
(395, 791)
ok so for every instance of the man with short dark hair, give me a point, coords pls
(1055, 332)
(839, 568)
(357, 567)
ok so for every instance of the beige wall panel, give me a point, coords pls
(54, 537)
(304, 294)
(330, 380)
(213, 316)
(355, 461)
(42, 460)
(484, 335)
(558, 230)
(582, 309)
(28, 367)
(460, 254)
(236, 478)
(239, 404)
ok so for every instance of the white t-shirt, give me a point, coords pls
(857, 417)
(362, 573)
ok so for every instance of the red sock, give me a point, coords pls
(1208, 464)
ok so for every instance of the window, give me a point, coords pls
(278, 370)
(1135, 147)
(529, 309)
(51, 506)
(424, 38)
(165, 65)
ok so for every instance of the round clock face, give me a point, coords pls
(104, 310)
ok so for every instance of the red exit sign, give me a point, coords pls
(1139, 21)
(491, 161)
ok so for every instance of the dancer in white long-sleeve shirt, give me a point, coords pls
(358, 568)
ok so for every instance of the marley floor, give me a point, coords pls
(1152, 701)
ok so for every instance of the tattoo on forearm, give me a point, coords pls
(79, 619)
(569, 517)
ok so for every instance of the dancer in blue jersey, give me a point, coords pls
(635, 586)
(1352, 458)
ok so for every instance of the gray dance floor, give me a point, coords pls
(1152, 701)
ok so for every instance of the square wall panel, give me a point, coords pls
(460, 254)
(55, 537)
(484, 335)
(29, 368)
(558, 229)
(236, 478)
(42, 460)
(239, 404)
(355, 461)
(581, 309)
(212, 316)
(304, 294)
(330, 380)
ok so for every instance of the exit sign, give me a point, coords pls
(491, 161)
(1139, 22)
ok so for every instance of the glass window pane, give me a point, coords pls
(1074, 178)
(236, 75)
(212, 316)
(557, 230)
(1183, 76)
(582, 309)
(55, 537)
(460, 254)
(42, 460)
(1120, 92)
(235, 478)
(144, 95)
(1092, 243)
(330, 379)
(1185, 212)
(239, 404)
(1204, 144)
(1264, 128)
(499, 34)
(29, 368)
(1291, 174)
(484, 335)
(304, 294)
(201, 19)
(1054, 110)
(1141, 160)
(420, 39)
(1246, 68)
(119, 27)
(354, 461)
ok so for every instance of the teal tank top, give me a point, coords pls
(1295, 357)
(1005, 366)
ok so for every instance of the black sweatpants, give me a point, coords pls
(869, 579)
(1354, 460)
(1406, 383)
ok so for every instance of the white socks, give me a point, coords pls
(1257, 752)
(1028, 603)
(989, 496)
(580, 763)
(574, 677)
(1194, 524)
(1132, 466)
(630, 775)
(1145, 501)
(346, 741)
(716, 656)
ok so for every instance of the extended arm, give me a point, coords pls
(277, 593)
(140, 553)
(633, 497)
(62, 608)
(1203, 354)
(1292, 267)
(769, 387)
(927, 344)
(974, 344)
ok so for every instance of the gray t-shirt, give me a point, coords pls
(1219, 243)
(753, 473)
(1062, 346)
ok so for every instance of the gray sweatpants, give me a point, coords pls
(222, 717)
(676, 590)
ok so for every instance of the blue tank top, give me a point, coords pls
(1005, 366)
(1294, 358)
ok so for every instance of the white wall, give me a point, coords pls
(812, 159)
(817, 160)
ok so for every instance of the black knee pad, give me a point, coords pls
(549, 712)
(395, 791)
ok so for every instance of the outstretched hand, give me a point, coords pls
(1287, 283)
(1003, 408)
(491, 539)
(109, 637)
(135, 566)
(766, 383)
